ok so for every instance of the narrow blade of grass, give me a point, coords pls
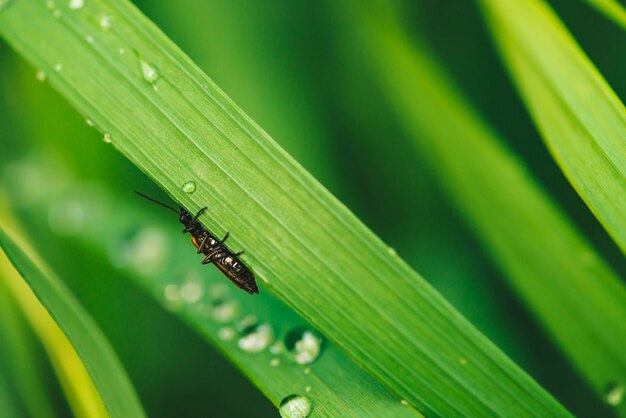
(555, 270)
(151, 251)
(18, 357)
(91, 346)
(613, 9)
(10, 404)
(81, 394)
(177, 126)
(580, 118)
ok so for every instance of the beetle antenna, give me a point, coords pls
(157, 202)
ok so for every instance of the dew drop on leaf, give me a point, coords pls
(226, 333)
(303, 345)
(149, 72)
(76, 4)
(226, 310)
(614, 393)
(40, 75)
(105, 22)
(191, 291)
(295, 406)
(189, 187)
(256, 338)
(172, 293)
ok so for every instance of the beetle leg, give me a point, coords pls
(225, 237)
(199, 213)
(202, 243)
(211, 256)
(239, 253)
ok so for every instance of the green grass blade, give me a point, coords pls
(82, 396)
(568, 287)
(613, 9)
(98, 358)
(581, 119)
(177, 126)
(18, 358)
(163, 262)
(11, 407)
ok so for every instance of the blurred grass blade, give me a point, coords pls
(568, 287)
(613, 9)
(177, 126)
(8, 400)
(18, 358)
(158, 257)
(579, 116)
(79, 389)
(95, 354)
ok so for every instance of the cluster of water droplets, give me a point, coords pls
(300, 345)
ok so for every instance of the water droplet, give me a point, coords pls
(172, 293)
(224, 311)
(308, 388)
(50, 4)
(121, 51)
(614, 393)
(275, 362)
(150, 73)
(277, 348)
(191, 291)
(189, 187)
(295, 406)
(247, 322)
(107, 138)
(105, 22)
(256, 338)
(226, 333)
(76, 4)
(146, 251)
(307, 370)
(40, 75)
(462, 361)
(58, 68)
(404, 402)
(89, 39)
(89, 122)
(303, 345)
(391, 251)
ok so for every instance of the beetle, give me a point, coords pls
(213, 249)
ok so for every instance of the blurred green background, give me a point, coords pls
(294, 66)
